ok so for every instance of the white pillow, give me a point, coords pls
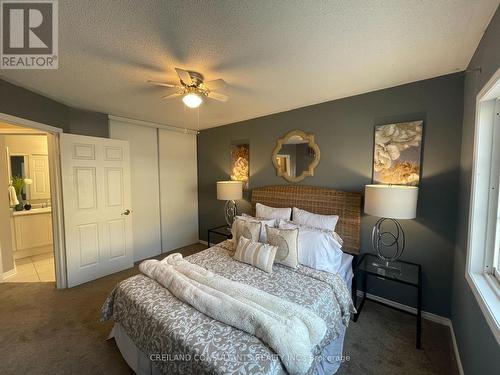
(263, 222)
(314, 220)
(272, 212)
(318, 249)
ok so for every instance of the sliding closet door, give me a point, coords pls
(178, 189)
(145, 186)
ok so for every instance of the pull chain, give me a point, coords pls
(198, 123)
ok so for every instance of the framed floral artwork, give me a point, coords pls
(240, 163)
(398, 153)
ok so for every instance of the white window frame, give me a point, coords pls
(484, 218)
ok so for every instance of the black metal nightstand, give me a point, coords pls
(403, 272)
(221, 230)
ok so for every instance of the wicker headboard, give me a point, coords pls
(320, 201)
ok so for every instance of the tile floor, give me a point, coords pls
(38, 268)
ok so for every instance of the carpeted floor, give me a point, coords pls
(48, 331)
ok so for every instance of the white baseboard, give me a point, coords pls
(206, 243)
(426, 315)
(18, 254)
(455, 350)
(8, 274)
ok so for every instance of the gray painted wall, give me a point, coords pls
(20, 102)
(17, 101)
(479, 351)
(344, 132)
(94, 124)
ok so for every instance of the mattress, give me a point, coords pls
(190, 332)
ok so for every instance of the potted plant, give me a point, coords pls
(18, 184)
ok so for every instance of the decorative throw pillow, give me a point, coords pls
(304, 217)
(264, 222)
(267, 212)
(260, 255)
(287, 242)
(247, 229)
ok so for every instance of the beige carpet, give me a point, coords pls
(48, 331)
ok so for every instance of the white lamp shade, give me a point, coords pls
(391, 201)
(229, 190)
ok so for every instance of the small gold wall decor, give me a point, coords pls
(240, 163)
(295, 156)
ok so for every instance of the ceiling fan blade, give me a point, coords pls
(162, 84)
(169, 96)
(217, 96)
(215, 84)
(184, 76)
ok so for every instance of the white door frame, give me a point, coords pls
(55, 191)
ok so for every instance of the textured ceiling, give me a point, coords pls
(274, 55)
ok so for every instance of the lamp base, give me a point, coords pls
(384, 239)
(388, 266)
(230, 211)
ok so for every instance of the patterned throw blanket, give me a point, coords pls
(182, 340)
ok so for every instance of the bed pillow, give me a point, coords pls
(267, 212)
(336, 236)
(260, 255)
(245, 228)
(318, 248)
(314, 220)
(287, 242)
(263, 222)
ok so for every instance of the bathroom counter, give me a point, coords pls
(33, 211)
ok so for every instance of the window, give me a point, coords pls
(483, 253)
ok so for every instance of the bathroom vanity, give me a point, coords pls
(31, 232)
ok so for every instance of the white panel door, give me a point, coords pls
(178, 189)
(97, 206)
(145, 185)
(39, 173)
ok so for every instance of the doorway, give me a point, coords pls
(27, 240)
(46, 258)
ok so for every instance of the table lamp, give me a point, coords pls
(230, 191)
(391, 203)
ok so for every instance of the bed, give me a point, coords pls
(156, 333)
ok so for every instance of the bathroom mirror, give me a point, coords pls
(295, 156)
(18, 167)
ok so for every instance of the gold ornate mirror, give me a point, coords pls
(295, 156)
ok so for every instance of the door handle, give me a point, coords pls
(126, 212)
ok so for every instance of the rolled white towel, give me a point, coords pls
(12, 196)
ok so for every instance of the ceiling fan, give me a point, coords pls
(193, 89)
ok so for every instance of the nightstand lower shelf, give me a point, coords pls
(221, 230)
(409, 274)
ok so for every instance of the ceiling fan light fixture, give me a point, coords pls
(192, 100)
